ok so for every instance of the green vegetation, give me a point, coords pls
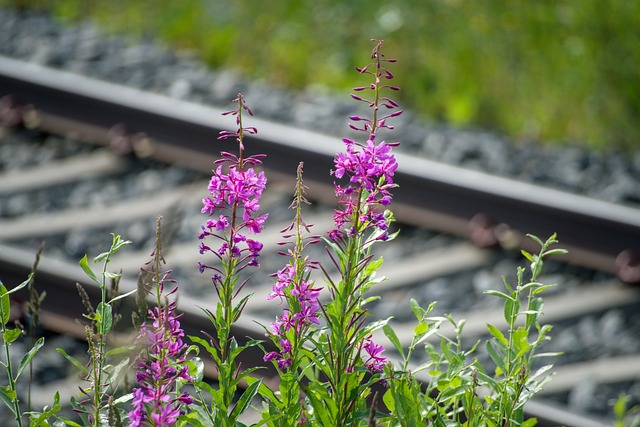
(562, 70)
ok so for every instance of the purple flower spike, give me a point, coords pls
(235, 192)
(293, 286)
(369, 167)
(154, 400)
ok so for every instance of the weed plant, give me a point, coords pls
(325, 346)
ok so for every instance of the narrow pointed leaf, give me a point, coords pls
(498, 294)
(119, 297)
(27, 357)
(245, 400)
(107, 316)
(84, 263)
(495, 356)
(498, 335)
(5, 305)
(391, 334)
(75, 362)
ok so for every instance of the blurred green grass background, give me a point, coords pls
(558, 71)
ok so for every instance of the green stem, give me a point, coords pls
(99, 357)
(12, 381)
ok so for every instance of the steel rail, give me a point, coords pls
(599, 234)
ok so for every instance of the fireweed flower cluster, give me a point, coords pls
(369, 167)
(374, 361)
(162, 367)
(294, 285)
(155, 402)
(233, 204)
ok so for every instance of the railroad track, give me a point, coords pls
(455, 222)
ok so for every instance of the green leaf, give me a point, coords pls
(620, 406)
(196, 368)
(5, 305)
(369, 300)
(7, 395)
(101, 257)
(374, 326)
(534, 311)
(556, 252)
(498, 335)
(495, 356)
(106, 318)
(74, 361)
(498, 294)
(388, 400)
(541, 289)
(531, 422)
(520, 340)
(237, 310)
(427, 335)
(527, 255)
(203, 386)
(452, 392)
(537, 239)
(121, 350)
(118, 243)
(21, 285)
(27, 357)
(417, 310)
(10, 335)
(84, 263)
(391, 334)
(486, 379)
(549, 354)
(117, 372)
(373, 266)
(123, 399)
(119, 297)
(210, 349)
(69, 422)
(39, 419)
(110, 275)
(245, 400)
(193, 417)
(511, 308)
(421, 328)
(323, 405)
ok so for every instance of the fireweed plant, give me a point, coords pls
(330, 369)
(162, 370)
(347, 362)
(235, 189)
(292, 332)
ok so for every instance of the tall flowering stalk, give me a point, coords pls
(157, 400)
(346, 355)
(235, 190)
(293, 330)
